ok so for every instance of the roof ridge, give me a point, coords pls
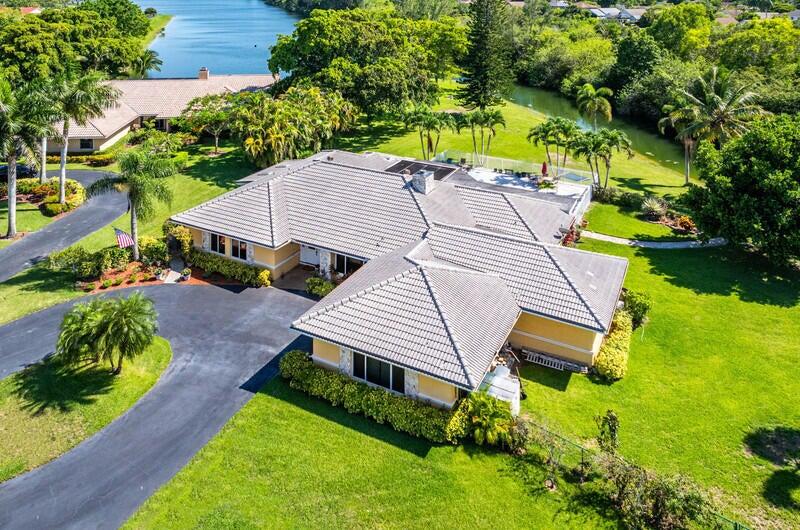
(574, 287)
(519, 215)
(231, 193)
(271, 213)
(447, 327)
(341, 302)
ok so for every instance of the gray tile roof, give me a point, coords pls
(576, 287)
(435, 318)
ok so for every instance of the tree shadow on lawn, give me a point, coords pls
(726, 271)
(369, 136)
(279, 389)
(52, 385)
(778, 445)
(40, 280)
(648, 188)
(222, 170)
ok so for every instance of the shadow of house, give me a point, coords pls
(726, 271)
(555, 379)
(50, 385)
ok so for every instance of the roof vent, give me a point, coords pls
(423, 181)
(329, 158)
(204, 73)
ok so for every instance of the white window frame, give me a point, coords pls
(211, 243)
(335, 255)
(235, 244)
(392, 367)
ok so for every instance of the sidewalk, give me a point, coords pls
(667, 245)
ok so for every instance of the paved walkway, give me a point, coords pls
(61, 233)
(715, 242)
(224, 347)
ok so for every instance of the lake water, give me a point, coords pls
(656, 147)
(227, 36)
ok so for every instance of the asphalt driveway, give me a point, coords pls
(96, 213)
(224, 347)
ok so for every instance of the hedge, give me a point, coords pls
(88, 265)
(612, 360)
(98, 160)
(401, 413)
(247, 274)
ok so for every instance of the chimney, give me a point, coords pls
(204, 73)
(423, 181)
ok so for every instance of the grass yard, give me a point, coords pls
(204, 178)
(157, 23)
(614, 220)
(287, 460)
(49, 408)
(713, 379)
(29, 219)
(641, 173)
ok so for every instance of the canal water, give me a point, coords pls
(656, 147)
(226, 36)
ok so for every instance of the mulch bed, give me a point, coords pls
(146, 276)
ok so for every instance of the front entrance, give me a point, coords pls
(309, 255)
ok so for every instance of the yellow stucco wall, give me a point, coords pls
(326, 352)
(437, 390)
(556, 338)
(271, 257)
(197, 237)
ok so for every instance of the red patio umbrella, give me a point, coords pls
(544, 168)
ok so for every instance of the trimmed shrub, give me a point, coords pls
(612, 360)
(320, 287)
(458, 427)
(607, 195)
(84, 264)
(153, 250)
(181, 234)
(51, 209)
(247, 274)
(401, 413)
(630, 199)
(638, 304)
(685, 222)
(106, 284)
(112, 258)
(118, 280)
(98, 160)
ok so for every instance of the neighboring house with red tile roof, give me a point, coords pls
(152, 99)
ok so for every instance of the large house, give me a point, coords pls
(152, 99)
(440, 271)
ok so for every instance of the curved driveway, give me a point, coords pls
(224, 347)
(96, 213)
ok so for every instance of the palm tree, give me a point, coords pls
(80, 98)
(490, 418)
(564, 131)
(593, 102)
(24, 119)
(429, 125)
(613, 140)
(590, 146)
(142, 175)
(716, 109)
(543, 133)
(679, 120)
(80, 331)
(128, 327)
(148, 60)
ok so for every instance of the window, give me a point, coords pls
(238, 249)
(161, 124)
(87, 143)
(379, 373)
(218, 244)
(345, 265)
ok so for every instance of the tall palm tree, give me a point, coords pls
(590, 146)
(490, 119)
(678, 120)
(80, 98)
(128, 327)
(593, 102)
(716, 108)
(142, 175)
(429, 125)
(613, 140)
(24, 119)
(564, 131)
(543, 133)
(146, 61)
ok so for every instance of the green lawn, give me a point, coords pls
(711, 375)
(614, 220)
(157, 23)
(641, 173)
(49, 408)
(29, 219)
(287, 460)
(204, 177)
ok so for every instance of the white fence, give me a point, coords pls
(500, 165)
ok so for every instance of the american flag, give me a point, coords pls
(124, 240)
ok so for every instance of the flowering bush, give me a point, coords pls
(612, 360)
